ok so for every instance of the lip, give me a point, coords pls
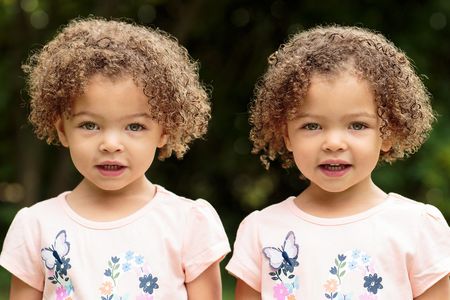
(335, 167)
(111, 168)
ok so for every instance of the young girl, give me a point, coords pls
(335, 101)
(113, 93)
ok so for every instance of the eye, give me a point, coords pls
(89, 126)
(358, 126)
(311, 126)
(135, 127)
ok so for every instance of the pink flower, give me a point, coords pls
(280, 291)
(61, 293)
(367, 296)
(330, 286)
(144, 297)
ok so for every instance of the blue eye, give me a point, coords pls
(358, 126)
(311, 126)
(135, 127)
(89, 126)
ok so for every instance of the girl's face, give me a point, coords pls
(111, 137)
(335, 137)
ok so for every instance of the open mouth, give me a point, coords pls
(334, 167)
(111, 167)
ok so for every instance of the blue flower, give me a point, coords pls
(148, 283)
(126, 267)
(365, 258)
(62, 266)
(342, 257)
(108, 273)
(356, 253)
(139, 259)
(333, 270)
(373, 283)
(115, 259)
(129, 255)
(352, 265)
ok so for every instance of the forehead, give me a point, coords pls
(342, 92)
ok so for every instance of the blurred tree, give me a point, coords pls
(231, 39)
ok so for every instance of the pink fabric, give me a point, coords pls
(150, 254)
(396, 250)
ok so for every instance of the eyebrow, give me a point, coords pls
(351, 115)
(132, 116)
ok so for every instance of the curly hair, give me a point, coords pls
(403, 102)
(61, 70)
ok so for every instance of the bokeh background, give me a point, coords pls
(232, 40)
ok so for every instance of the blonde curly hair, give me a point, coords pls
(402, 100)
(59, 72)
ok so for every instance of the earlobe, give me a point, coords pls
(386, 145)
(163, 140)
(287, 140)
(59, 126)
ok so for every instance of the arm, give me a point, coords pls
(22, 291)
(207, 286)
(245, 292)
(440, 290)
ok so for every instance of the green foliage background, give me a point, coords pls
(231, 39)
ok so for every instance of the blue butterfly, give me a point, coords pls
(286, 256)
(57, 251)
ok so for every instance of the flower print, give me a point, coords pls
(333, 270)
(368, 296)
(139, 259)
(280, 291)
(129, 255)
(352, 264)
(373, 283)
(293, 285)
(365, 259)
(69, 287)
(331, 285)
(342, 257)
(106, 288)
(291, 297)
(61, 293)
(344, 297)
(62, 266)
(144, 297)
(356, 253)
(107, 273)
(126, 267)
(115, 259)
(148, 283)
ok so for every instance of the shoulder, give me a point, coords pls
(406, 206)
(41, 210)
(185, 208)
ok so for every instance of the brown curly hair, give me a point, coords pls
(403, 102)
(59, 72)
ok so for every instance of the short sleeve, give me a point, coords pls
(205, 240)
(245, 263)
(21, 253)
(432, 259)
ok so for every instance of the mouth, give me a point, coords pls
(334, 167)
(110, 167)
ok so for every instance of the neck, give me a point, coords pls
(356, 199)
(97, 204)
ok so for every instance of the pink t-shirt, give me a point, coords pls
(396, 250)
(150, 254)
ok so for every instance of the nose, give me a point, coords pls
(334, 141)
(111, 142)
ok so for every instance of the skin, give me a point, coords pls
(112, 142)
(338, 124)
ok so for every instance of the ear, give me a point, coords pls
(386, 145)
(287, 140)
(59, 126)
(163, 140)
